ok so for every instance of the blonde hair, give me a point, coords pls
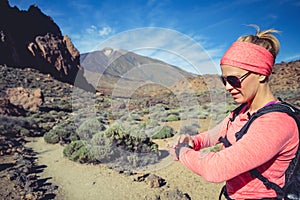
(263, 38)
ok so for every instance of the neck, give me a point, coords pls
(263, 97)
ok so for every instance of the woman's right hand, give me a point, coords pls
(183, 139)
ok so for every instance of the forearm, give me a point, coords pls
(210, 137)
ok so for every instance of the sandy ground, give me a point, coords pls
(85, 181)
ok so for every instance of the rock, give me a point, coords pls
(29, 99)
(7, 108)
(175, 194)
(155, 181)
(30, 196)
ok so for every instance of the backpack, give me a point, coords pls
(291, 189)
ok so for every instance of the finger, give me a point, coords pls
(184, 139)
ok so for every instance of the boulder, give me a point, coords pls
(29, 99)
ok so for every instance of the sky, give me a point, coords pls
(191, 34)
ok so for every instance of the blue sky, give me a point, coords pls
(183, 33)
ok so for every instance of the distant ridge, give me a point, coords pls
(114, 65)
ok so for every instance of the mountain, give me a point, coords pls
(32, 39)
(110, 68)
(285, 81)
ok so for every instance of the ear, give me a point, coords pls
(262, 78)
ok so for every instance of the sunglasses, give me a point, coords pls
(234, 81)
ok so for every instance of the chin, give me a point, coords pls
(239, 101)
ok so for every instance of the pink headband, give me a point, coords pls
(249, 56)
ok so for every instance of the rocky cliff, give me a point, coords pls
(32, 39)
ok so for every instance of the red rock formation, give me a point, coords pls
(40, 45)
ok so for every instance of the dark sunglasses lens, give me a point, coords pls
(223, 80)
(234, 81)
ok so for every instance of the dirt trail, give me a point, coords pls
(81, 181)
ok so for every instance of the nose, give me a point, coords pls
(228, 87)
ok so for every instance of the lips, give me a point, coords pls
(234, 95)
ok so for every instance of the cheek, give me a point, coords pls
(249, 90)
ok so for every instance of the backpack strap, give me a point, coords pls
(269, 184)
(235, 113)
(278, 107)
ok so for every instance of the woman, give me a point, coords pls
(271, 141)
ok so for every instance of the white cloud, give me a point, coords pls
(167, 45)
(91, 29)
(292, 58)
(106, 30)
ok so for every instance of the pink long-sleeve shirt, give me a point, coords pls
(269, 145)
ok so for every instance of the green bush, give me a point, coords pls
(90, 127)
(172, 117)
(102, 148)
(163, 132)
(61, 132)
(51, 137)
(25, 132)
(132, 142)
(148, 124)
(18, 125)
(77, 151)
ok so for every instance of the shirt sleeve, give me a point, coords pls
(266, 137)
(210, 137)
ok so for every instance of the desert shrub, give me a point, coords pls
(172, 117)
(52, 112)
(18, 125)
(190, 128)
(137, 160)
(51, 137)
(133, 160)
(90, 127)
(77, 151)
(191, 112)
(120, 114)
(131, 142)
(159, 107)
(160, 116)
(24, 132)
(61, 132)
(146, 111)
(123, 118)
(297, 103)
(203, 115)
(74, 136)
(148, 126)
(102, 148)
(46, 117)
(206, 107)
(115, 132)
(117, 145)
(135, 116)
(163, 132)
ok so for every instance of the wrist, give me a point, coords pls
(179, 146)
